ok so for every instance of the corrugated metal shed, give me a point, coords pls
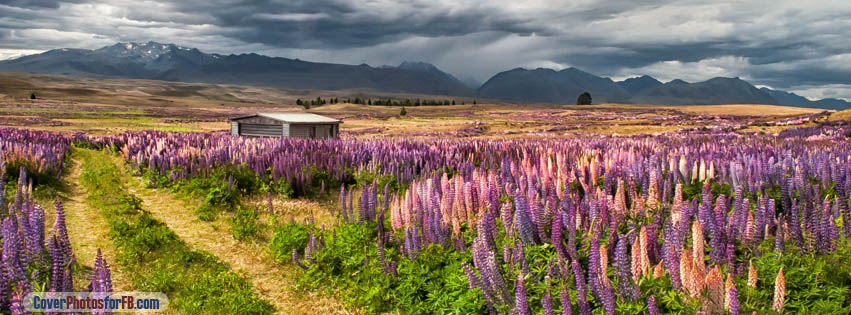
(295, 125)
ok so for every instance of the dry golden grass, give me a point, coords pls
(745, 109)
(300, 210)
(841, 115)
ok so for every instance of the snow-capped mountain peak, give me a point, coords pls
(147, 51)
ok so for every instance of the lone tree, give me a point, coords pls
(298, 102)
(584, 99)
(32, 96)
(403, 112)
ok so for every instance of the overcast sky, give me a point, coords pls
(803, 46)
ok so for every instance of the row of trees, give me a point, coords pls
(405, 102)
(317, 101)
(381, 102)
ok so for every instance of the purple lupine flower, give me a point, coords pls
(594, 267)
(505, 215)
(497, 281)
(486, 281)
(609, 299)
(35, 237)
(101, 280)
(351, 208)
(779, 237)
(57, 263)
(547, 301)
(541, 219)
(296, 260)
(523, 223)
(833, 234)
(652, 309)
(521, 304)
(566, 308)
(584, 307)
(17, 301)
(106, 277)
(557, 236)
(392, 268)
(94, 281)
(409, 246)
(731, 257)
(507, 255)
(624, 269)
(343, 210)
(363, 205)
(733, 296)
(61, 231)
(4, 287)
(12, 252)
(795, 226)
(492, 281)
(473, 280)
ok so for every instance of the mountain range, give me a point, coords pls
(170, 62)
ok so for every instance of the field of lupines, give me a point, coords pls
(697, 221)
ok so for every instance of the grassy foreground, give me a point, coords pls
(155, 258)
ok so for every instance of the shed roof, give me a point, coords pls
(293, 118)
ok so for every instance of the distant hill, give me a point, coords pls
(563, 87)
(635, 85)
(170, 62)
(792, 99)
(712, 91)
(550, 86)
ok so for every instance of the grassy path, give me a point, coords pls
(87, 228)
(271, 281)
(154, 257)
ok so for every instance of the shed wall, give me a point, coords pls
(323, 131)
(300, 131)
(260, 130)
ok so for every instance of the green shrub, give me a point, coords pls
(433, 283)
(245, 223)
(365, 178)
(287, 238)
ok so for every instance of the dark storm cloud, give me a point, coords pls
(784, 44)
(330, 24)
(37, 4)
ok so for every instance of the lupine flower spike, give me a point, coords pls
(779, 292)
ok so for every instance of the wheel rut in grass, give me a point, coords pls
(87, 228)
(271, 281)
